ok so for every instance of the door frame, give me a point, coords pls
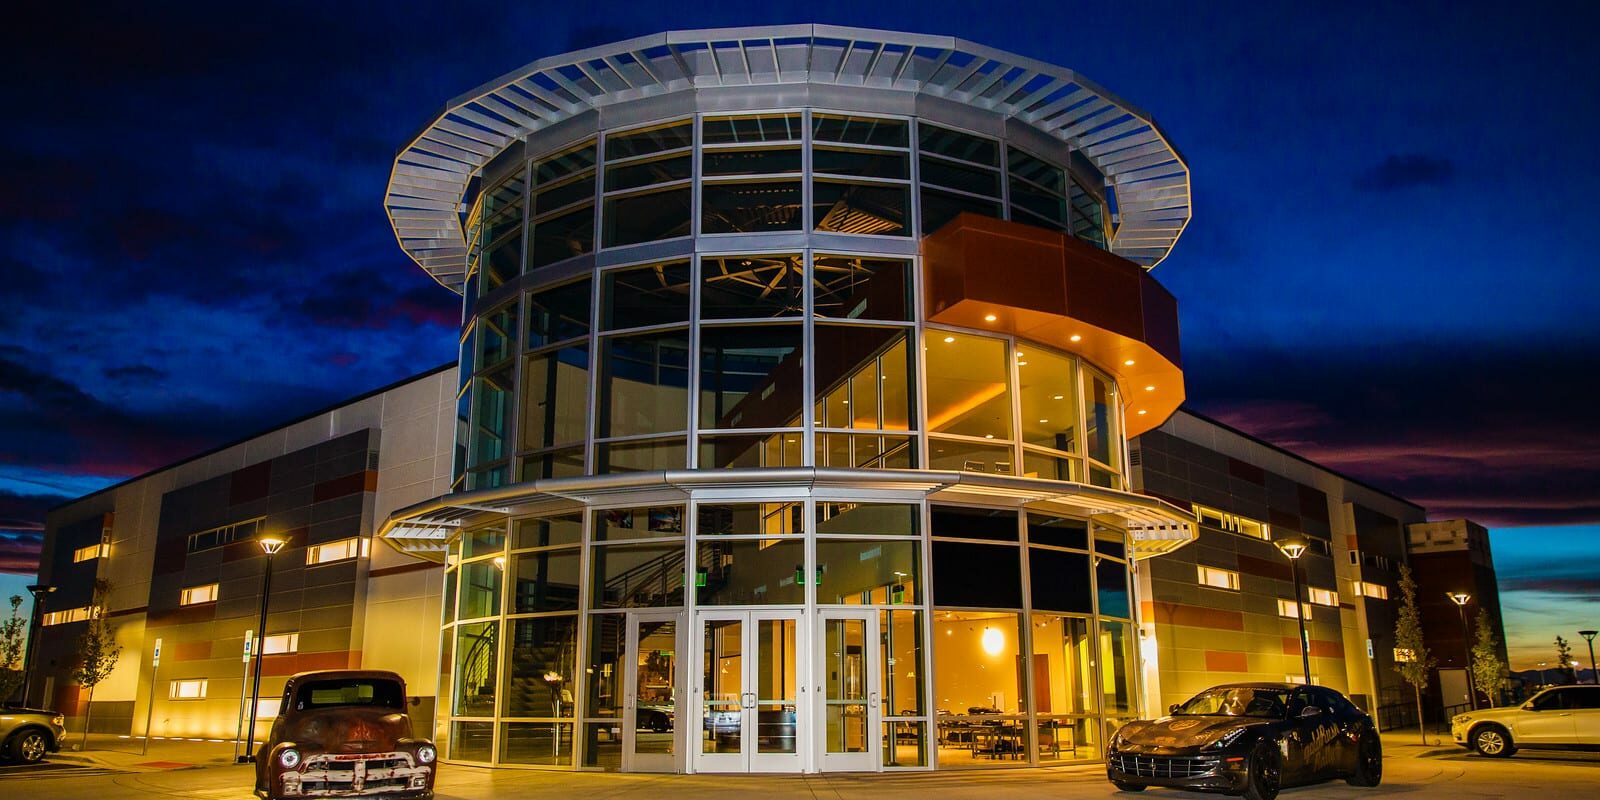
(652, 762)
(748, 759)
(870, 760)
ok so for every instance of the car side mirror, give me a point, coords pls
(1173, 709)
(416, 701)
(1310, 711)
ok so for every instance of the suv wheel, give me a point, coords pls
(28, 746)
(1492, 741)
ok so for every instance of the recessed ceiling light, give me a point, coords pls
(847, 402)
(1128, 363)
(1057, 397)
(1143, 412)
(988, 436)
(1075, 338)
(1149, 388)
(1043, 421)
(1022, 363)
(1019, 355)
(949, 339)
(989, 318)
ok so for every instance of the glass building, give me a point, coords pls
(797, 370)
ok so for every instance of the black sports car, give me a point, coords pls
(1250, 739)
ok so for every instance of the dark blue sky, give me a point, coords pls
(1389, 269)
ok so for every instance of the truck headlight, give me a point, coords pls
(289, 758)
(426, 754)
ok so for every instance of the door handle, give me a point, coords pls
(872, 701)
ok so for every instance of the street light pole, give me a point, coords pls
(40, 592)
(1588, 636)
(1461, 599)
(269, 545)
(1293, 548)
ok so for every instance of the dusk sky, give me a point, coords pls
(1390, 269)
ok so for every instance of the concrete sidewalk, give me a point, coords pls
(1407, 743)
(123, 753)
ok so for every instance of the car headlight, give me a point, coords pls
(1226, 739)
(59, 720)
(426, 754)
(1461, 719)
(289, 758)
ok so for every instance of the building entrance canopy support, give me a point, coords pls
(1154, 526)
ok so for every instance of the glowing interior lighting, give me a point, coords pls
(1143, 412)
(988, 436)
(1149, 388)
(1022, 363)
(993, 641)
(949, 339)
(989, 318)
(1074, 338)
(1058, 397)
(1043, 421)
(1128, 363)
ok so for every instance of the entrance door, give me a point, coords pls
(650, 737)
(849, 710)
(748, 697)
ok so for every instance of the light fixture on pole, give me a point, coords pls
(39, 591)
(1294, 547)
(1461, 599)
(1588, 636)
(270, 545)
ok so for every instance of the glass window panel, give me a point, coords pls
(488, 478)
(1116, 669)
(493, 393)
(877, 571)
(865, 451)
(463, 435)
(868, 519)
(765, 161)
(483, 541)
(545, 581)
(955, 144)
(641, 456)
(555, 402)
(571, 162)
(1110, 542)
(561, 237)
(855, 287)
(960, 177)
(542, 667)
(641, 522)
(1044, 388)
(751, 376)
(647, 217)
(752, 450)
(471, 741)
(547, 531)
(964, 456)
(1049, 467)
(1037, 207)
(1067, 649)
(861, 208)
(450, 596)
(555, 464)
(649, 140)
(497, 336)
(602, 746)
(554, 196)
(977, 575)
(1088, 216)
(639, 174)
(751, 128)
(939, 208)
(605, 667)
(638, 296)
(717, 519)
(502, 208)
(756, 287)
(637, 576)
(1111, 582)
(741, 572)
(477, 665)
(969, 385)
(861, 377)
(502, 261)
(1060, 581)
(750, 207)
(905, 744)
(1101, 477)
(1058, 531)
(861, 163)
(644, 384)
(1047, 176)
(540, 743)
(973, 523)
(1102, 440)
(901, 632)
(480, 588)
(558, 313)
(860, 130)
(975, 658)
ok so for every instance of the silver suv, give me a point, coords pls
(28, 733)
(1559, 718)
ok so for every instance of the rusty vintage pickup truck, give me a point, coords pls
(344, 733)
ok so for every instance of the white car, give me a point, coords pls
(1559, 718)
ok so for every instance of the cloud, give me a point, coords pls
(19, 552)
(1406, 171)
(1586, 589)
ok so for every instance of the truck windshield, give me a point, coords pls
(350, 692)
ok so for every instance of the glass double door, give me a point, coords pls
(751, 692)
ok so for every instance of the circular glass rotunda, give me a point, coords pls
(798, 366)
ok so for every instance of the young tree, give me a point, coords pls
(1408, 638)
(12, 633)
(1564, 666)
(1489, 672)
(97, 650)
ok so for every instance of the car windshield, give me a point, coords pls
(1236, 702)
(350, 692)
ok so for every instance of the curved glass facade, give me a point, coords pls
(742, 290)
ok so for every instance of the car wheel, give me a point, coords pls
(1369, 763)
(1266, 773)
(28, 746)
(1123, 786)
(1492, 741)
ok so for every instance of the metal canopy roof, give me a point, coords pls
(431, 174)
(1154, 526)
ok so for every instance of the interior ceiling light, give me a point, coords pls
(1058, 397)
(1143, 412)
(988, 436)
(993, 641)
(1074, 338)
(1022, 363)
(1128, 363)
(989, 318)
(1149, 388)
(1043, 421)
(949, 339)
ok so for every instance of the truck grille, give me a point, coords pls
(1162, 766)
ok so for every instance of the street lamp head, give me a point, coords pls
(1589, 635)
(271, 544)
(1459, 598)
(1293, 547)
(37, 589)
